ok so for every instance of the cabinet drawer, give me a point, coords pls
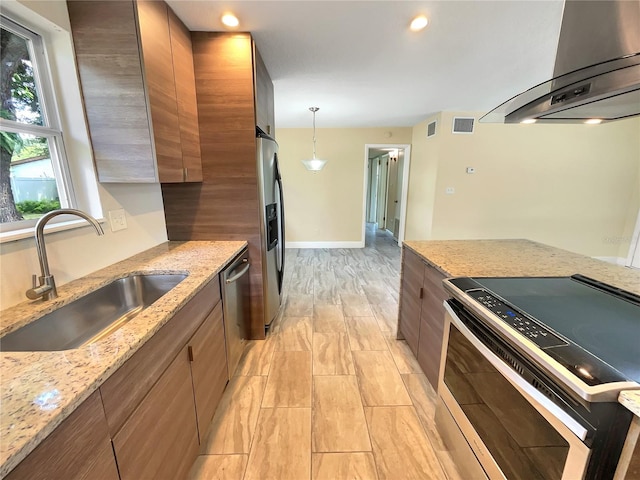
(160, 439)
(80, 448)
(126, 388)
(208, 367)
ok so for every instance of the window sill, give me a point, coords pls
(53, 227)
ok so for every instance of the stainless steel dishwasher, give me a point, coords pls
(236, 305)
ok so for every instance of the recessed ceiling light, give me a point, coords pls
(418, 23)
(230, 20)
(528, 120)
(593, 121)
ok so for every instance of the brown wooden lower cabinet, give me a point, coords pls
(208, 367)
(431, 324)
(421, 317)
(80, 448)
(160, 439)
(410, 298)
(151, 412)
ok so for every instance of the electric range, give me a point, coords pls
(583, 332)
(538, 363)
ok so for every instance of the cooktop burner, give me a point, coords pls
(591, 328)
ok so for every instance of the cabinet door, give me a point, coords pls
(431, 324)
(208, 367)
(160, 439)
(186, 97)
(410, 298)
(79, 448)
(153, 20)
(265, 116)
(109, 65)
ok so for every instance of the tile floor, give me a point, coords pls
(330, 394)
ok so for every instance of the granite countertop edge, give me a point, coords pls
(631, 400)
(478, 258)
(40, 389)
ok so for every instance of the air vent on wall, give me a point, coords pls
(431, 129)
(463, 124)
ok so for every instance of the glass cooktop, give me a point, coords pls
(583, 319)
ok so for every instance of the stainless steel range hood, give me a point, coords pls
(596, 73)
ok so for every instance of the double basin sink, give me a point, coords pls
(91, 317)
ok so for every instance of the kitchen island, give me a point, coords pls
(41, 389)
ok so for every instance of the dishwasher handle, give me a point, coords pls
(244, 270)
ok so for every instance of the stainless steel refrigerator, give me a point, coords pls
(272, 225)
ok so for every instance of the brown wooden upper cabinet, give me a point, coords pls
(264, 101)
(136, 72)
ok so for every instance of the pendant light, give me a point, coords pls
(314, 164)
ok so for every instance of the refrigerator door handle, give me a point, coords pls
(281, 216)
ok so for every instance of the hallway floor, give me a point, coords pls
(330, 394)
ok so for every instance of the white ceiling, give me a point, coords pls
(358, 61)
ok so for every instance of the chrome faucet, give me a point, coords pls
(47, 287)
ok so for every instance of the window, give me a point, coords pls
(33, 176)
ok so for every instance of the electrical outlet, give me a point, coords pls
(118, 220)
(471, 170)
(450, 190)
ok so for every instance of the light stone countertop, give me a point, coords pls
(40, 389)
(525, 258)
(631, 400)
(519, 258)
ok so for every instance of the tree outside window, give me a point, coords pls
(32, 179)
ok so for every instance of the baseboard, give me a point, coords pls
(614, 260)
(324, 245)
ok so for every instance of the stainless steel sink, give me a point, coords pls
(91, 317)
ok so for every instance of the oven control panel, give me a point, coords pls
(538, 334)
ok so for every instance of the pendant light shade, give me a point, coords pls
(314, 164)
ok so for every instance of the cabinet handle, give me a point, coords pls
(190, 352)
(185, 174)
(421, 294)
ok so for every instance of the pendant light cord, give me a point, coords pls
(314, 110)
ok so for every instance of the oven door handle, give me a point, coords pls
(525, 388)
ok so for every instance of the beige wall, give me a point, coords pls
(571, 186)
(327, 206)
(423, 173)
(633, 216)
(77, 252)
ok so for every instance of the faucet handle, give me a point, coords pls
(42, 289)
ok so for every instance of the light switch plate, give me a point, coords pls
(118, 220)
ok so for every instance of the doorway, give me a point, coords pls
(386, 183)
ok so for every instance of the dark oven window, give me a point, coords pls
(521, 441)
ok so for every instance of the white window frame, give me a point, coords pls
(51, 121)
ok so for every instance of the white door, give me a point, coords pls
(382, 190)
(372, 190)
(392, 193)
(398, 209)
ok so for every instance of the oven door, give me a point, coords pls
(513, 429)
